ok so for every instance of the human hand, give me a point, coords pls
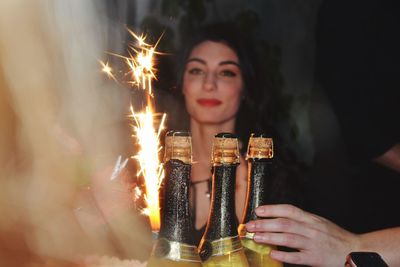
(319, 242)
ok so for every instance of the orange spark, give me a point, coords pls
(108, 70)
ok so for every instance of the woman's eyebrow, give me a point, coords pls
(228, 62)
(196, 60)
(201, 61)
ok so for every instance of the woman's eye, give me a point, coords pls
(227, 73)
(195, 71)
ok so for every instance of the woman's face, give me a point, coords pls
(212, 83)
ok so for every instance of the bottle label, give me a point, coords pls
(220, 247)
(260, 148)
(175, 251)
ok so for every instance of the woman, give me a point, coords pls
(222, 93)
(215, 79)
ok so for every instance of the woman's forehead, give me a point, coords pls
(214, 50)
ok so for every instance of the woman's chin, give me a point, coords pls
(212, 122)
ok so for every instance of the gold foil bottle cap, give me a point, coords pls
(178, 145)
(225, 149)
(260, 147)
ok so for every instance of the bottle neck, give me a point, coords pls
(222, 220)
(258, 182)
(176, 223)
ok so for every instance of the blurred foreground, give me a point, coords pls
(62, 127)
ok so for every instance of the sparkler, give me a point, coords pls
(141, 65)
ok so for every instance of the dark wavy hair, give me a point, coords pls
(254, 114)
(256, 111)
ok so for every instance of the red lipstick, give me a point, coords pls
(209, 102)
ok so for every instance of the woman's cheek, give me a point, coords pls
(235, 102)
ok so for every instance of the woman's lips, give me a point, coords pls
(209, 102)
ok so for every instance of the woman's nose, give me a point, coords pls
(210, 82)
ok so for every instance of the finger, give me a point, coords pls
(282, 239)
(290, 257)
(280, 225)
(286, 211)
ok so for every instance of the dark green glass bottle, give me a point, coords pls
(260, 154)
(175, 245)
(220, 244)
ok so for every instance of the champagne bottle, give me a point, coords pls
(175, 245)
(220, 244)
(260, 155)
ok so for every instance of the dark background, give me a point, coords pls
(286, 30)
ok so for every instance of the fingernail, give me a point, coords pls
(260, 210)
(250, 225)
(258, 238)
